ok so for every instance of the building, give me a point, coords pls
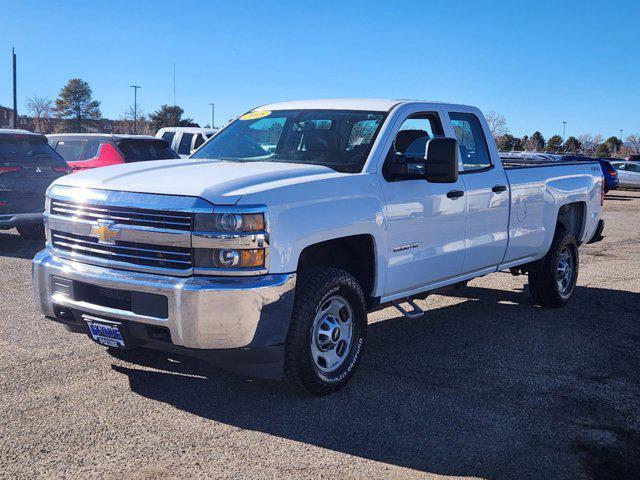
(6, 117)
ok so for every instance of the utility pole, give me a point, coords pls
(174, 84)
(213, 115)
(135, 107)
(15, 91)
(564, 131)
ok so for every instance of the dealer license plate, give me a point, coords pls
(105, 332)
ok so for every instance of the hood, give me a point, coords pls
(219, 182)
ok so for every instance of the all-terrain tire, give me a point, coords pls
(545, 284)
(316, 288)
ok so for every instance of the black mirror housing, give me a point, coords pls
(441, 157)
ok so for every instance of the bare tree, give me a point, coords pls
(127, 123)
(633, 142)
(497, 123)
(590, 142)
(41, 109)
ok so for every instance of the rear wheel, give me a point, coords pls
(327, 333)
(35, 232)
(552, 279)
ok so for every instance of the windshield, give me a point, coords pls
(339, 139)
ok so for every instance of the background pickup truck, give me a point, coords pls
(265, 250)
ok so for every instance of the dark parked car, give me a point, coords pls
(633, 158)
(611, 179)
(83, 151)
(28, 165)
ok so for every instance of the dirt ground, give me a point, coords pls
(485, 385)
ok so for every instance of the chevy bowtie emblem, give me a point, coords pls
(105, 232)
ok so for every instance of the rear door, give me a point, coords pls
(28, 165)
(487, 192)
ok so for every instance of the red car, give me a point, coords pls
(83, 151)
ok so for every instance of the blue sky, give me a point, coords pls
(538, 63)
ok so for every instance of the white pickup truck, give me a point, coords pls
(265, 250)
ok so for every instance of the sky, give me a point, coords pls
(537, 63)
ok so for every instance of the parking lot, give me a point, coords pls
(486, 385)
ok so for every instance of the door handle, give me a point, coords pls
(455, 194)
(499, 188)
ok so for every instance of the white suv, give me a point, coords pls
(185, 140)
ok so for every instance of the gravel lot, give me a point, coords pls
(486, 385)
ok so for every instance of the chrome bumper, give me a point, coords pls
(203, 312)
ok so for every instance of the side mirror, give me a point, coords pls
(441, 160)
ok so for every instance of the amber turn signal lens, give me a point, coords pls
(251, 258)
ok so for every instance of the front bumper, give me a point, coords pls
(202, 313)
(10, 220)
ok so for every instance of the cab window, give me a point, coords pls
(185, 144)
(409, 147)
(198, 141)
(471, 141)
(168, 136)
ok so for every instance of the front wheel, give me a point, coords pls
(552, 279)
(328, 331)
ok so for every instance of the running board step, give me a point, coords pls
(413, 314)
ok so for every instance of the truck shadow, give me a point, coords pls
(488, 386)
(13, 245)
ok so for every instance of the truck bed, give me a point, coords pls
(537, 187)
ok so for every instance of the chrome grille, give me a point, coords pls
(182, 221)
(160, 256)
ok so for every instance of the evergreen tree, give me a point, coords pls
(75, 104)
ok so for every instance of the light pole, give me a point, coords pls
(135, 107)
(564, 131)
(621, 140)
(213, 115)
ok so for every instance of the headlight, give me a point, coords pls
(231, 242)
(230, 222)
(230, 258)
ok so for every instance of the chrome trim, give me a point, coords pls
(236, 272)
(204, 312)
(74, 246)
(225, 240)
(69, 209)
(77, 240)
(116, 264)
(128, 233)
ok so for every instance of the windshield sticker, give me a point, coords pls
(255, 114)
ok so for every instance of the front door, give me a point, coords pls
(425, 221)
